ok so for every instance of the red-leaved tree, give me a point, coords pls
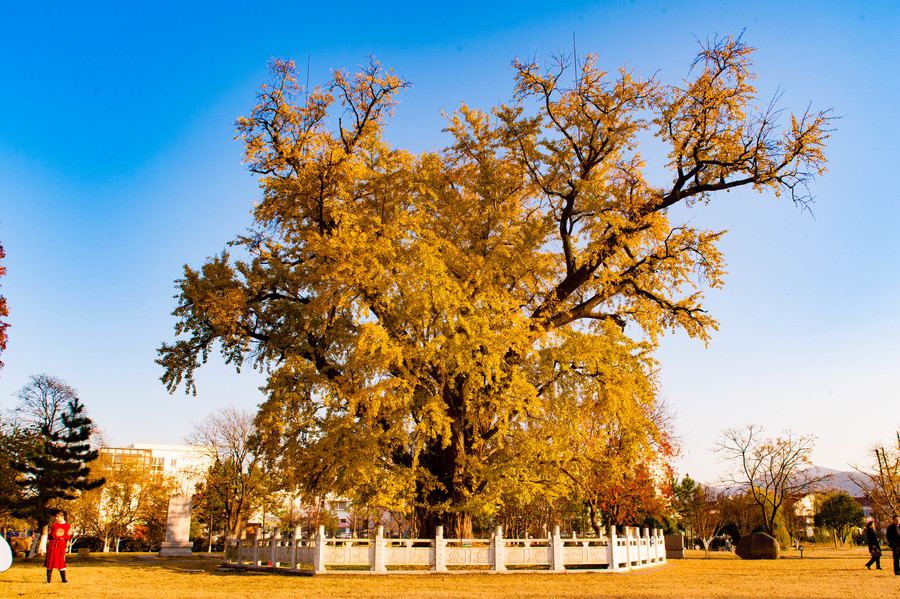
(4, 310)
(635, 499)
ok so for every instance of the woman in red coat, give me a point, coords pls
(60, 533)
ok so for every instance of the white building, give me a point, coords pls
(186, 464)
(805, 510)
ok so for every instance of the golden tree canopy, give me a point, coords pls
(435, 326)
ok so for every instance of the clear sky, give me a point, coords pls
(118, 166)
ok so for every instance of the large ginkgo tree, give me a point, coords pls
(444, 329)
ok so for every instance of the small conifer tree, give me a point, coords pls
(55, 467)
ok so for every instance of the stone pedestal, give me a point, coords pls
(178, 527)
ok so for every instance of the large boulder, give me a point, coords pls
(758, 545)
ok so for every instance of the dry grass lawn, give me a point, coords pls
(822, 573)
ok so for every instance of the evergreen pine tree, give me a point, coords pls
(55, 466)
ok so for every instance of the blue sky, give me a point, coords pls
(118, 166)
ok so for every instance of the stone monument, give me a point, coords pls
(178, 527)
(674, 546)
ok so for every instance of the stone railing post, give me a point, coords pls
(636, 546)
(499, 550)
(639, 545)
(255, 540)
(237, 548)
(440, 559)
(628, 550)
(556, 547)
(234, 549)
(654, 537)
(379, 566)
(646, 532)
(660, 545)
(276, 540)
(613, 549)
(319, 554)
(295, 541)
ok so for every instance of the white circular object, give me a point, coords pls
(5, 555)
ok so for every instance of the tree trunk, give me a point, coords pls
(595, 524)
(453, 488)
(238, 526)
(457, 525)
(770, 526)
(705, 546)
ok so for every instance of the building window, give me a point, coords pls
(120, 455)
(157, 464)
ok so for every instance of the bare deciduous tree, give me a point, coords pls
(882, 486)
(707, 513)
(743, 513)
(797, 512)
(42, 401)
(235, 477)
(772, 469)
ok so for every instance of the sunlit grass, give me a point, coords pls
(821, 573)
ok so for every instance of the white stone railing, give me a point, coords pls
(636, 548)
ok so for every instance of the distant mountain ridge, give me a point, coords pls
(841, 480)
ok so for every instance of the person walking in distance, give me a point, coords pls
(874, 544)
(893, 539)
(60, 534)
